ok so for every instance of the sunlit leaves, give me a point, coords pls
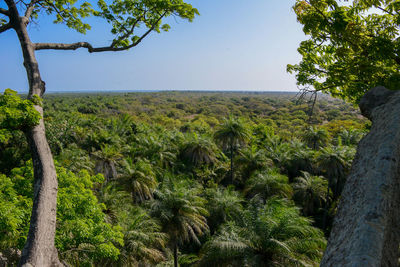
(81, 221)
(127, 16)
(130, 20)
(16, 113)
(352, 47)
(68, 12)
(82, 233)
(14, 213)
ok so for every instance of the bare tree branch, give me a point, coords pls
(4, 11)
(5, 27)
(90, 48)
(61, 46)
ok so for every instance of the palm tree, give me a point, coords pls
(224, 204)
(107, 159)
(232, 134)
(75, 159)
(315, 137)
(267, 184)
(334, 162)
(272, 235)
(278, 151)
(157, 147)
(350, 137)
(114, 200)
(122, 125)
(310, 192)
(143, 241)
(181, 212)
(198, 150)
(253, 159)
(139, 178)
(100, 137)
(300, 158)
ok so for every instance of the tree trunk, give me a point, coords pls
(176, 255)
(366, 228)
(39, 250)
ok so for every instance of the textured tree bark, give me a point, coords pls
(366, 228)
(39, 250)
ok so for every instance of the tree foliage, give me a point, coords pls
(130, 20)
(16, 114)
(82, 233)
(352, 48)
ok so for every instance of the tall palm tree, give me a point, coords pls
(107, 159)
(198, 150)
(278, 151)
(181, 212)
(99, 137)
(267, 184)
(114, 200)
(224, 204)
(143, 241)
(253, 159)
(157, 147)
(272, 235)
(232, 134)
(300, 158)
(315, 137)
(310, 192)
(75, 159)
(122, 125)
(350, 137)
(139, 179)
(334, 162)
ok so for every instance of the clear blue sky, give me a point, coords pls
(232, 45)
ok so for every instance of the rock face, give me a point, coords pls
(366, 228)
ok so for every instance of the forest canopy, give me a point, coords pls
(146, 178)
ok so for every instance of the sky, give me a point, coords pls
(232, 45)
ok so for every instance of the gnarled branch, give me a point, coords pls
(90, 48)
(61, 46)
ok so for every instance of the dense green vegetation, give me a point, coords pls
(217, 179)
